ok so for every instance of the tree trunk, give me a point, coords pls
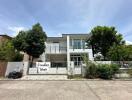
(93, 50)
(31, 65)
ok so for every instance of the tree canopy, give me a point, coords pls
(32, 41)
(8, 53)
(120, 53)
(19, 41)
(102, 38)
(35, 41)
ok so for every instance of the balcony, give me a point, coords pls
(55, 48)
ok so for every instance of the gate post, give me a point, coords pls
(83, 69)
(71, 68)
(25, 68)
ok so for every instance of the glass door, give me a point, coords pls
(77, 60)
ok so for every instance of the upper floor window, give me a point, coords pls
(77, 44)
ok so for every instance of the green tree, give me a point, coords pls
(120, 53)
(32, 41)
(102, 38)
(8, 53)
(19, 41)
(35, 41)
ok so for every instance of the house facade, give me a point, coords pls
(60, 51)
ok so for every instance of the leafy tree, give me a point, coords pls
(8, 53)
(120, 53)
(35, 41)
(102, 38)
(19, 41)
(32, 41)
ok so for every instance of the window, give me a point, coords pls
(77, 44)
(77, 59)
(83, 44)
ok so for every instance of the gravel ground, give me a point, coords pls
(65, 90)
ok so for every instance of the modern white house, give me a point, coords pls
(60, 51)
(62, 56)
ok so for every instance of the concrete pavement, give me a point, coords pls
(65, 90)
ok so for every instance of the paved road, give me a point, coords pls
(65, 90)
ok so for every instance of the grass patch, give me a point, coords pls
(75, 77)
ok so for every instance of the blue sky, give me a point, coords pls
(65, 16)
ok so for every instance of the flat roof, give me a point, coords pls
(55, 39)
(7, 36)
(77, 35)
(63, 38)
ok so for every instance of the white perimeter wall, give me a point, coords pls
(16, 66)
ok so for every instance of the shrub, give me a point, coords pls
(91, 71)
(115, 68)
(104, 71)
(130, 72)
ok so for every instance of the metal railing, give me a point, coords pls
(57, 64)
(56, 49)
(79, 47)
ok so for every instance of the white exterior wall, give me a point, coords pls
(14, 66)
(90, 54)
(43, 57)
(54, 48)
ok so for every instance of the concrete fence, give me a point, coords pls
(16, 66)
(70, 70)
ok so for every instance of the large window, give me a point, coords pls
(77, 44)
(77, 59)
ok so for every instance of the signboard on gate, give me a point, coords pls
(43, 67)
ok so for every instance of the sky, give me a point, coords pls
(65, 16)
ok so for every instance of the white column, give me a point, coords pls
(68, 54)
(90, 55)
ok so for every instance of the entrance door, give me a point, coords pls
(77, 60)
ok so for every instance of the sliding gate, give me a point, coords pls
(45, 68)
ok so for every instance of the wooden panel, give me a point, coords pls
(3, 66)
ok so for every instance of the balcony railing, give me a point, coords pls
(56, 49)
(79, 47)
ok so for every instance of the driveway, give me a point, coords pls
(65, 90)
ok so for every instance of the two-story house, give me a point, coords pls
(60, 51)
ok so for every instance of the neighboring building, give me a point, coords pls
(4, 38)
(70, 47)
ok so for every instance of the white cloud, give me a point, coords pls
(16, 30)
(128, 42)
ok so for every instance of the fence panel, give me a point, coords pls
(3, 66)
